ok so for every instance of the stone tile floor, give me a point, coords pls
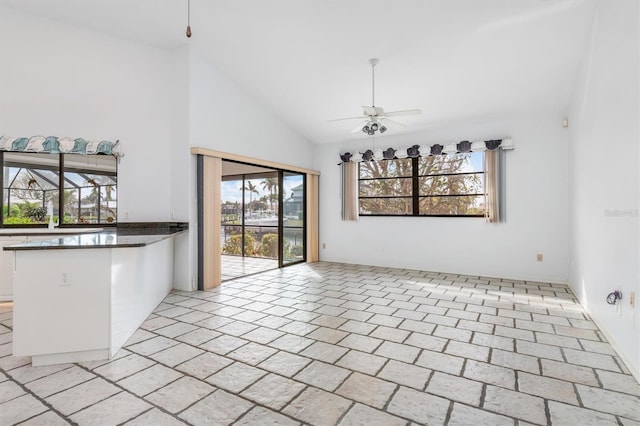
(329, 344)
(239, 266)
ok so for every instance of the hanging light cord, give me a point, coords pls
(373, 99)
(373, 84)
(188, 18)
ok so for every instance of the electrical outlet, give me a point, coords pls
(539, 257)
(126, 214)
(632, 299)
(324, 246)
(65, 278)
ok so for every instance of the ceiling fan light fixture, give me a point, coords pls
(374, 116)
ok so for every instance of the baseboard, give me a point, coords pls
(627, 362)
(515, 277)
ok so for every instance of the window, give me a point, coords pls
(250, 206)
(442, 185)
(30, 181)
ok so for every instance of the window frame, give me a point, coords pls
(61, 169)
(415, 196)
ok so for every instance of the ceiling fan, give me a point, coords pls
(375, 119)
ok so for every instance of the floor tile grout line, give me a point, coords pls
(123, 389)
(578, 396)
(514, 340)
(7, 372)
(447, 417)
(41, 400)
(44, 412)
(135, 417)
(428, 381)
(69, 388)
(488, 410)
(372, 331)
(547, 411)
(353, 404)
(238, 394)
(307, 385)
(483, 395)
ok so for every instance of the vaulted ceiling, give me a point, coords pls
(307, 60)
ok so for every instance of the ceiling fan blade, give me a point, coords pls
(404, 112)
(359, 128)
(390, 123)
(372, 110)
(348, 118)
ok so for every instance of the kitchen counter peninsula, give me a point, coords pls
(81, 297)
(45, 232)
(92, 241)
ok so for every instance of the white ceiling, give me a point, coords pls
(307, 60)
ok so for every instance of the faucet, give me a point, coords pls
(50, 213)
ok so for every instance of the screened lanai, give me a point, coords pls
(31, 180)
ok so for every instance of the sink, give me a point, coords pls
(45, 231)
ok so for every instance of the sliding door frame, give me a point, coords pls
(281, 259)
(208, 178)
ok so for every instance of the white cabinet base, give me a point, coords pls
(67, 357)
(7, 261)
(74, 305)
(6, 267)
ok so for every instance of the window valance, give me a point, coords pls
(426, 150)
(57, 145)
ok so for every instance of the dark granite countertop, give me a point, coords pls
(122, 236)
(33, 232)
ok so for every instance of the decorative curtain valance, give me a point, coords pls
(426, 150)
(57, 145)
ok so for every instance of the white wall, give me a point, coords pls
(225, 118)
(63, 81)
(181, 171)
(536, 210)
(604, 179)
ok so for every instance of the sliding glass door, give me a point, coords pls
(292, 218)
(251, 213)
(262, 218)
